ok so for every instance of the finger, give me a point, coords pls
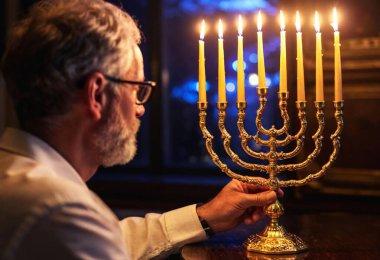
(255, 216)
(280, 192)
(255, 187)
(258, 199)
(248, 220)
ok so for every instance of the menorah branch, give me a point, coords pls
(202, 106)
(283, 97)
(335, 138)
(299, 137)
(317, 137)
(227, 143)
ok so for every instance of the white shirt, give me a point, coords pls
(47, 212)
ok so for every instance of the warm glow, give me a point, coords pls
(298, 22)
(282, 21)
(240, 26)
(259, 22)
(202, 34)
(335, 20)
(220, 29)
(316, 22)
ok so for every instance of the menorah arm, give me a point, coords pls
(227, 143)
(244, 136)
(335, 137)
(317, 137)
(208, 138)
(294, 152)
(300, 136)
(283, 97)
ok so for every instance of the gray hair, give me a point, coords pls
(51, 52)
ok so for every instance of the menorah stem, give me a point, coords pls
(274, 211)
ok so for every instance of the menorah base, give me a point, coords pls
(275, 241)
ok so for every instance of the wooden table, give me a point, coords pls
(328, 235)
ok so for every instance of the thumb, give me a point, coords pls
(258, 199)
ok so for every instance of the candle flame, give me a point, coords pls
(259, 22)
(298, 22)
(335, 20)
(202, 34)
(316, 22)
(220, 29)
(240, 26)
(282, 21)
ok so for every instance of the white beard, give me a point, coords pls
(115, 141)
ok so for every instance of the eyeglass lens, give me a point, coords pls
(143, 93)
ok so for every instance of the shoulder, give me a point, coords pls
(25, 181)
(65, 222)
(44, 190)
(42, 210)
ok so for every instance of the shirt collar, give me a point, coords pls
(28, 145)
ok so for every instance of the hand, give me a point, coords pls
(235, 203)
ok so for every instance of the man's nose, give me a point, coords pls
(140, 110)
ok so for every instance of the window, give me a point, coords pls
(183, 143)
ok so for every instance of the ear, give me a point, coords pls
(95, 97)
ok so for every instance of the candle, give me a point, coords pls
(283, 73)
(260, 53)
(300, 70)
(221, 70)
(318, 62)
(240, 63)
(337, 64)
(202, 72)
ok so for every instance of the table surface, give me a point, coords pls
(328, 236)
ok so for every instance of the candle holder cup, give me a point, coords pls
(274, 239)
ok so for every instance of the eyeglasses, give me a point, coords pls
(144, 88)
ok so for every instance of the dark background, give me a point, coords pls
(172, 162)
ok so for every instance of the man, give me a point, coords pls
(75, 73)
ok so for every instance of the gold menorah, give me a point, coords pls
(274, 239)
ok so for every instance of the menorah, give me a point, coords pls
(274, 239)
